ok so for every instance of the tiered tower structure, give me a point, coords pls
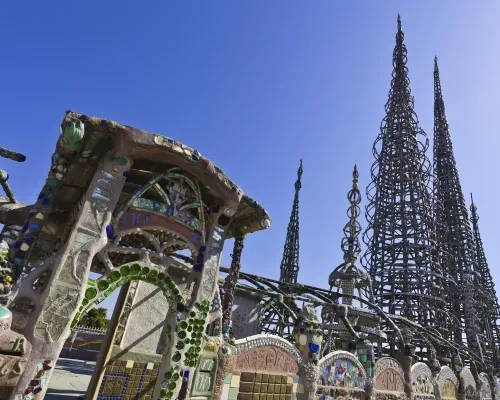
(400, 255)
(455, 241)
(490, 312)
(276, 321)
(345, 325)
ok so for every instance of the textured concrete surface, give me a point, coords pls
(70, 379)
(145, 331)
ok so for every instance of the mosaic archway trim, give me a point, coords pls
(172, 206)
(251, 342)
(389, 377)
(485, 389)
(423, 383)
(341, 369)
(469, 383)
(98, 290)
(447, 383)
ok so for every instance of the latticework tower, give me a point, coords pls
(400, 255)
(490, 311)
(277, 321)
(455, 242)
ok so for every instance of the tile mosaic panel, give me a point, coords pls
(258, 386)
(342, 373)
(128, 380)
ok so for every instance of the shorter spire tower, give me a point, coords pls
(276, 320)
(454, 235)
(290, 262)
(490, 309)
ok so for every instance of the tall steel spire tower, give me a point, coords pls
(490, 310)
(280, 323)
(400, 255)
(453, 230)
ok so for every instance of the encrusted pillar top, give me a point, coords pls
(5, 320)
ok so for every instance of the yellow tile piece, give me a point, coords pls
(235, 381)
(150, 366)
(300, 389)
(294, 387)
(289, 379)
(24, 247)
(39, 216)
(130, 364)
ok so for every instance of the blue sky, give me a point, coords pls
(255, 86)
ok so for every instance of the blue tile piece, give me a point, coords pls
(141, 382)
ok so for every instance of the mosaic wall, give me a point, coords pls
(128, 380)
(342, 373)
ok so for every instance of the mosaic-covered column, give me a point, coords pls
(230, 285)
(49, 324)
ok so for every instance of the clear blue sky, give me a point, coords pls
(255, 86)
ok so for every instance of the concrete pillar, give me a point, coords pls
(49, 323)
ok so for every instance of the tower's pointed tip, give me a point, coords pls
(300, 170)
(435, 60)
(399, 22)
(471, 198)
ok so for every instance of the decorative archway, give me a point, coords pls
(341, 374)
(447, 383)
(389, 379)
(159, 222)
(176, 205)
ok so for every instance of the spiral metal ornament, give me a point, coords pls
(400, 254)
